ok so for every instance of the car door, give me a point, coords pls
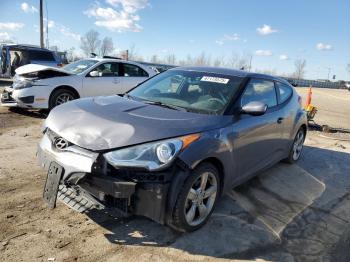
(257, 140)
(131, 76)
(103, 80)
(288, 111)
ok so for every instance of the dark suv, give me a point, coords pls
(13, 56)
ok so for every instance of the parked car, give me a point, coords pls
(44, 87)
(63, 57)
(170, 147)
(347, 85)
(13, 56)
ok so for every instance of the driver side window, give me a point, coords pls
(260, 90)
(107, 69)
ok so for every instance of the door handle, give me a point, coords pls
(280, 120)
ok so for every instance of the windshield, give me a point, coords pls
(79, 66)
(195, 91)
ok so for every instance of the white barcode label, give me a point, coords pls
(215, 79)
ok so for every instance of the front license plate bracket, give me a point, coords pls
(53, 178)
(5, 96)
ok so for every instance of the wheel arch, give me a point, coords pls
(304, 127)
(67, 87)
(219, 166)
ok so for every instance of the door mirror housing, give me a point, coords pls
(254, 108)
(94, 74)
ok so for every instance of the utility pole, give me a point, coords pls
(250, 63)
(41, 25)
(329, 71)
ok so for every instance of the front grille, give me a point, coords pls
(57, 141)
(137, 176)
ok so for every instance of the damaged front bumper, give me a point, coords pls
(88, 182)
(6, 98)
(30, 98)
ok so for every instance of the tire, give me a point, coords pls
(191, 204)
(61, 96)
(297, 147)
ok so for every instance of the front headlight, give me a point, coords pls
(23, 84)
(151, 156)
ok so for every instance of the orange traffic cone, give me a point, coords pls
(308, 97)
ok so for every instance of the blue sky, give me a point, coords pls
(275, 33)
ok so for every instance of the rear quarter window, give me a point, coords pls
(130, 70)
(284, 91)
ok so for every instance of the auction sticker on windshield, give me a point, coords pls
(215, 79)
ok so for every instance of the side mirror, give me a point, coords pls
(254, 108)
(94, 74)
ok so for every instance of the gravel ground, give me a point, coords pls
(288, 213)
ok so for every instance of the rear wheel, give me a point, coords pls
(60, 97)
(198, 198)
(297, 147)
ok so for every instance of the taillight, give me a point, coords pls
(300, 101)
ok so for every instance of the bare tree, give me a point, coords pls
(107, 46)
(348, 68)
(266, 71)
(132, 52)
(90, 42)
(189, 60)
(170, 59)
(300, 65)
(182, 62)
(202, 60)
(154, 59)
(238, 61)
(232, 60)
(219, 61)
(54, 48)
(70, 54)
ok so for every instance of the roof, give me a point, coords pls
(99, 59)
(228, 71)
(25, 46)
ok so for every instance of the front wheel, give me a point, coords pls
(60, 97)
(297, 147)
(197, 199)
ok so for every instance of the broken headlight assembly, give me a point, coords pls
(23, 84)
(151, 156)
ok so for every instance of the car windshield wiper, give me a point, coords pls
(129, 96)
(158, 103)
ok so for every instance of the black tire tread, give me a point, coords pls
(290, 159)
(178, 220)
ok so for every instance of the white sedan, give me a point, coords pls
(44, 87)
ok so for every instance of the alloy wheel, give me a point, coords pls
(201, 198)
(298, 145)
(63, 98)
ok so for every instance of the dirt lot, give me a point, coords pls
(289, 213)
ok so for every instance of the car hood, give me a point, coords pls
(103, 123)
(34, 68)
